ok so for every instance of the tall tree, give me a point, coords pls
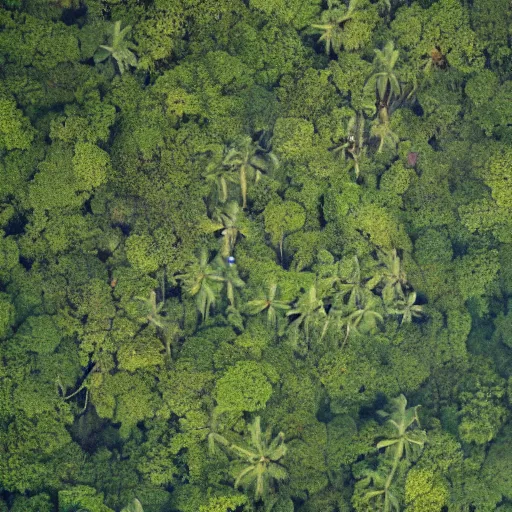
(403, 442)
(250, 161)
(406, 308)
(353, 146)
(393, 276)
(262, 458)
(134, 506)
(387, 87)
(168, 329)
(120, 49)
(309, 310)
(268, 304)
(199, 282)
(232, 222)
(386, 82)
(331, 26)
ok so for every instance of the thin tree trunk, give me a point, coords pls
(167, 347)
(243, 186)
(389, 479)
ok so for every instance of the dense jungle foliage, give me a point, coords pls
(255, 255)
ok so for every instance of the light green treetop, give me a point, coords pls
(119, 49)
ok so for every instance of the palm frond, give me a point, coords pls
(245, 473)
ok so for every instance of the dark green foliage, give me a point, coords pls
(83, 497)
(38, 503)
(243, 387)
(216, 211)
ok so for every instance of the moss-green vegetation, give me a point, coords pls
(255, 255)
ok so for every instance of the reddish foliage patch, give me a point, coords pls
(412, 158)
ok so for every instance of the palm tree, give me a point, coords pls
(310, 310)
(364, 314)
(153, 310)
(86, 384)
(387, 86)
(232, 280)
(331, 26)
(337, 318)
(386, 82)
(163, 324)
(352, 302)
(382, 129)
(357, 149)
(353, 146)
(119, 49)
(218, 176)
(393, 276)
(405, 442)
(234, 318)
(401, 419)
(216, 173)
(261, 459)
(382, 497)
(134, 506)
(250, 160)
(269, 304)
(352, 285)
(199, 282)
(332, 34)
(406, 308)
(347, 142)
(232, 227)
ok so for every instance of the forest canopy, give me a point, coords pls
(255, 255)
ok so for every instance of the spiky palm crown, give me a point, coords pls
(269, 304)
(309, 308)
(381, 496)
(384, 64)
(134, 506)
(405, 441)
(230, 219)
(261, 458)
(250, 161)
(394, 277)
(232, 280)
(153, 309)
(120, 48)
(406, 308)
(331, 25)
(198, 280)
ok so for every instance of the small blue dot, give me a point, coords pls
(231, 259)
